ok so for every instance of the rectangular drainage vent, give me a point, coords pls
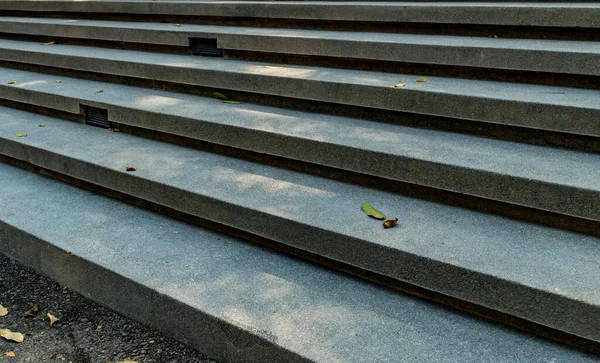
(96, 117)
(206, 47)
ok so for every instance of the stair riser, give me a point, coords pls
(489, 291)
(480, 183)
(492, 58)
(528, 114)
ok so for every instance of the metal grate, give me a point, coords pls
(96, 117)
(206, 47)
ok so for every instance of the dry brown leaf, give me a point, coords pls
(10, 354)
(399, 85)
(49, 43)
(492, 36)
(53, 319)
(130, 168)
(114, 130)
(12, 82)
(9, 335)
(390, 223)
(3, 311)
(33, 312)
(231, 102)
(422, 79)
(177, 24)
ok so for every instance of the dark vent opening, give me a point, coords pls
(97, 117)
(206, 47)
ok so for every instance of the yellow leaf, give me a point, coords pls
(232, 102)
(49, 43)
(12, 82)
(177, 24)
(493, 36)
(8, 335)
(3, 311)
(390, 223)
(53, 319)
(422, 79)
(219, 96)
(100, 91)
(58, 81)
(399, 85)
(18, 134)
(10, 354)
(42, 125)
(371, 212)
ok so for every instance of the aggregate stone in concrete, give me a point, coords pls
(551, 108)
(540, 177)
(542, 274)
(559, 56)
(235, 301)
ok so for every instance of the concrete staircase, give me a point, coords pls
(240, 231)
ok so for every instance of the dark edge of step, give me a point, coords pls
(484, 129)
(479, 311)
(505, 209)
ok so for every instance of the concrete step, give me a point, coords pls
(560, 181)
(479, 258)
(560, 109)
(556, 56)
(232, 300)
(538, 14)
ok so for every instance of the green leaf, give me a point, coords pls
(372, 212)
(18, 134)
(219, 96)
(232, 102)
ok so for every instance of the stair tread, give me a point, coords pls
(204, 278)
(381, 149)
(324, 217)
(504, 13)
(527, 54)
(164, 35)
(546, 107)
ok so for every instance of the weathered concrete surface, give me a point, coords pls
(586, 15)
(233, 300)
(540, 177)
(553, 108)
(558, 56)
(469, 255)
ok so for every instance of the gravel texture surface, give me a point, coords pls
(86, 332)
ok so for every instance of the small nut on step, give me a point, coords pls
(130, 168)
